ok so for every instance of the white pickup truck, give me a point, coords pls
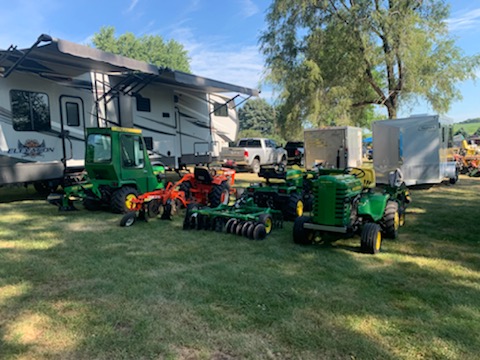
(251, 153)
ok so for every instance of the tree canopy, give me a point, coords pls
(149, 48)
(335, 60)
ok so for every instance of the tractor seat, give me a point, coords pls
(368, 179)
(202, 174)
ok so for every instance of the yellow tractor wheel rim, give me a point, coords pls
(300, 208)
(378, 241)
(402, 220)
(396, 221)
(129, 201)
(268, 225)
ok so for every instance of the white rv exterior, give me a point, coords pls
(419, 146)
(50, 94)
(338, 147)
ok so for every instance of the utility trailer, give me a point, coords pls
(53, 91)
(338, 147)
(419, 146)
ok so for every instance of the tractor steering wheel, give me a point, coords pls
(355, 171)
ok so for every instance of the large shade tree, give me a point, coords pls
(149, 48)
(334, 60)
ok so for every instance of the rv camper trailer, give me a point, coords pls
(419, 146)
(338, 147)
(51, 92)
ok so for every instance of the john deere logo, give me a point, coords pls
(31, 148)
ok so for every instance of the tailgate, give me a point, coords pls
(236, 154)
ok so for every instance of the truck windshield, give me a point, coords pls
(249, 143)
(99, 148)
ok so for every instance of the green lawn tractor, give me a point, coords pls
(345, 203)
(117, 170)
(242, 218)
(286, 190)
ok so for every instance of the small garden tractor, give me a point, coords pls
(208, 186)
(286, 190)
(345, 204)
(118, 170)
(242, 218)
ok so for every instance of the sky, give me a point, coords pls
(221, 36)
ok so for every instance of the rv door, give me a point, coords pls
(73, 130)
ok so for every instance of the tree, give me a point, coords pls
(149, 48)
(257, 115)
(334, 60)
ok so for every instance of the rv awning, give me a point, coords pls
(53, 58)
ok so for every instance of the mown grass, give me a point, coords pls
(470, 128)
(78, 286)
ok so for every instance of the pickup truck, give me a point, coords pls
(251, 153)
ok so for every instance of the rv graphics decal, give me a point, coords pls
(31, 148)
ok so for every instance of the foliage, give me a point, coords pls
(334, 60)
(461, 131)
(149, 48)
(77, 286)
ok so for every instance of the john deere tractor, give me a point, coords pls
(118, 170)
(345, 204)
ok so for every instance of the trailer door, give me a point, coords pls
(73, 130)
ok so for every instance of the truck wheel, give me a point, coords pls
(301, 235)
(219, 194)
(122, 199)
(371, 238)
(391, 220)
(256, 166)
(293, 207)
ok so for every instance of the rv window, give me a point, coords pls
(132, 151)
(143, 104)
(73, 114)
(220, 109)
(30, 111)
(99, 149)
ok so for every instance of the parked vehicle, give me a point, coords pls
(295, 152)
(251, 153)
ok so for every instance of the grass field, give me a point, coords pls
(470, 128)
(78, 286)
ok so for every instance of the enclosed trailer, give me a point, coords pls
(419, 146)
(51, 92)
(338, 147)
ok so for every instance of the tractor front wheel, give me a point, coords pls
(293, 207)
(121, 201)
(371, 238)
(301, 235)
(220, 194)
(391, 220)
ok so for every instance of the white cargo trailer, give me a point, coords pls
(419, 146)
(338, 147)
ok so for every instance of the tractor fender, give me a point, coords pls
(373, 205)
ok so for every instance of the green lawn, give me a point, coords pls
(470, 128)
(77, 286)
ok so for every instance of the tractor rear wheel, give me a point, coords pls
(301, 235)
(185, 187)
(294, 207)
(219, 195)
(391, 220)
(121, 201)
(371, 238)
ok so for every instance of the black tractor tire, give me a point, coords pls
(371, 238)
(219, 195)
(294, 207)
(255, 166)
(91, 204)
(128, 219)
(120, 199)
(267, 220)
(185, 187)
(301, 235)
(259, 232)
(187, 221)
(391, 220)
(231, 224)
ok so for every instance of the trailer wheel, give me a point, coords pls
(294, 207)
(301, 235)
(391, 220)
(371, 238)
(231, 223)
(267, 220)
(219, 194)
(259, 232)
(187, 222)
(121, 201)
(128, 219)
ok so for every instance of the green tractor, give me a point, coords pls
(118, 169)
(346, 204)
(286, 190)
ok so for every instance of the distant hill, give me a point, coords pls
(470, 126)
